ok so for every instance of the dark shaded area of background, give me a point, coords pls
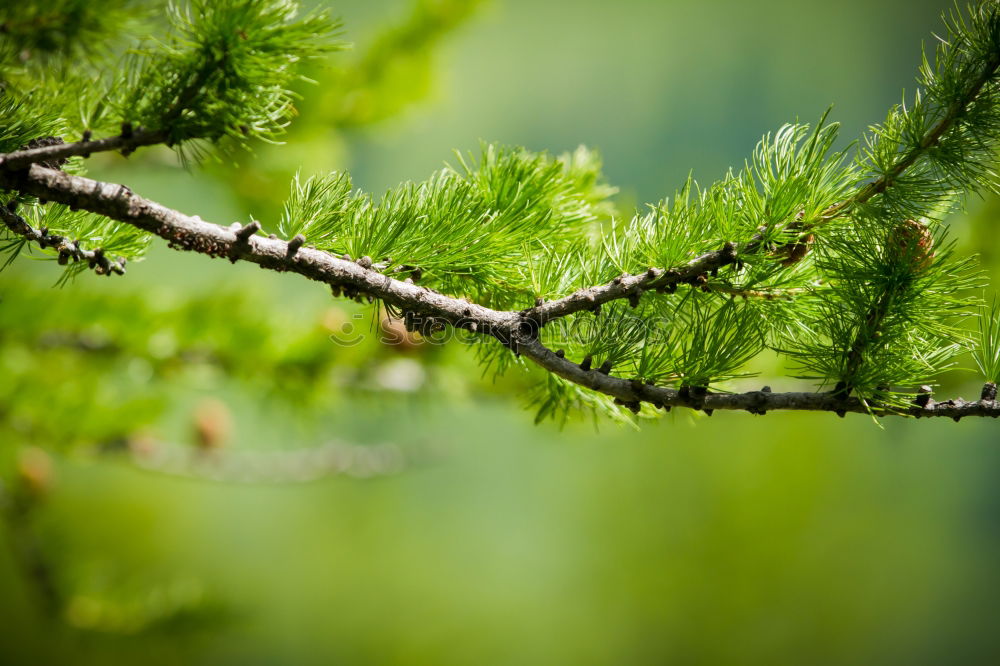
(736, 539)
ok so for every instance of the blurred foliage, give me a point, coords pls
(119, 359)
(385, 74)
(747, 542)
(394, 69)
(224, 70)
(40, 35)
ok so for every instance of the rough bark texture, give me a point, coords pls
(127, 142)
(184, 232)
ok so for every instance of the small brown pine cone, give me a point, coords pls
(911, 242)
(793, 253)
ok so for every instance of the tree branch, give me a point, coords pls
(185, 232)
(517, 330)
(633, 286)
(286, 466)
(127, 142)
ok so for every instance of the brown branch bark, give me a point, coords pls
(185, 232)
(127, 141)
(632, 392)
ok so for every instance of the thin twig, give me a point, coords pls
(633, 392)
(788, 293)
(955, 112)
(126, 141)
(66, 248)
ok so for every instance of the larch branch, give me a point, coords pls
(517, 330)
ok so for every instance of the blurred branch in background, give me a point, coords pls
(334, 458)
(58, 580)
(117, 379)
(65, 597)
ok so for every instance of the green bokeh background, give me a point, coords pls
(788, 538)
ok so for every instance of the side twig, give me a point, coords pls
(632, 286)
(127, 142)
(67, 249)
